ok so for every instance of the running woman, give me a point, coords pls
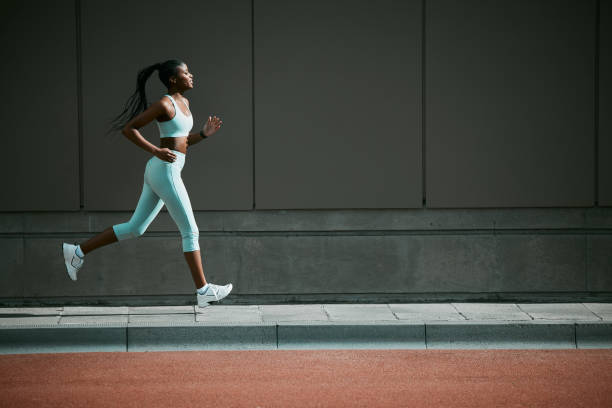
(162, 176)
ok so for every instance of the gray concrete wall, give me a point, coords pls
(323, 255)
(396, 148)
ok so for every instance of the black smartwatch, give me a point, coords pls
(202, 134)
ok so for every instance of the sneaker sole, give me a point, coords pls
(210, 301)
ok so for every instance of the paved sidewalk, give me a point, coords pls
(307, 326)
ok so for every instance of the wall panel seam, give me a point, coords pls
(596, 105)
(79, 88)
(253, 95)
(423, 156)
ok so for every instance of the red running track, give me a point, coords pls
(310, 378)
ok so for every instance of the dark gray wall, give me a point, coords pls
(40, 164)
(509, 103)
(358, 110)
(214, 39)
(605, 104)
(337, 104)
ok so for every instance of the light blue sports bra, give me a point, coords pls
(178, 126)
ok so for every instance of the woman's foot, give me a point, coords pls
(72, 260)
(213, 293)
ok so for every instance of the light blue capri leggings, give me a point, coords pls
(163, 185)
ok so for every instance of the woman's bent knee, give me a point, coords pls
(127, 231)
(191, 241)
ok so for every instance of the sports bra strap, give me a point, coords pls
(173, 103)
(178, 126)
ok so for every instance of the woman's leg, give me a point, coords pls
(146, 210)
(169, 185)
(104, 238)
(181, 212)
(194, 260)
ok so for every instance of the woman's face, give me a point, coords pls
(184, 78)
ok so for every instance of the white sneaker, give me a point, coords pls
(213, 293)
(72, 260)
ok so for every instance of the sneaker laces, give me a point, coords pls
(79, 261)
(213, 289)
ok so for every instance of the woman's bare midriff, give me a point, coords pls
(174, 143)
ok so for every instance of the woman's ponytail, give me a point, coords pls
(137, 102)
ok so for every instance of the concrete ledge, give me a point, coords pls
(319, 326)
(62, 339)
(202, 337)
(362, 335)
(504, 335)
(594, 335)
(171, 336)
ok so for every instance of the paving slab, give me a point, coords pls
(491, 311)
(34, 311)
(227, 314)
(603, 310)
(287, 313)
(159, 310)
(94, 310)
(425, 311)
(162, 318)
(35, 320)
(359, 312)
(558, 311)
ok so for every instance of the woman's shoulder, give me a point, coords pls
(167, 99)
(165, 106)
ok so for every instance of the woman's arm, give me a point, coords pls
(210, 128)
(194, 138)
(130, 130)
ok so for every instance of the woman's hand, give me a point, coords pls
(213, 124)
(165, 154)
